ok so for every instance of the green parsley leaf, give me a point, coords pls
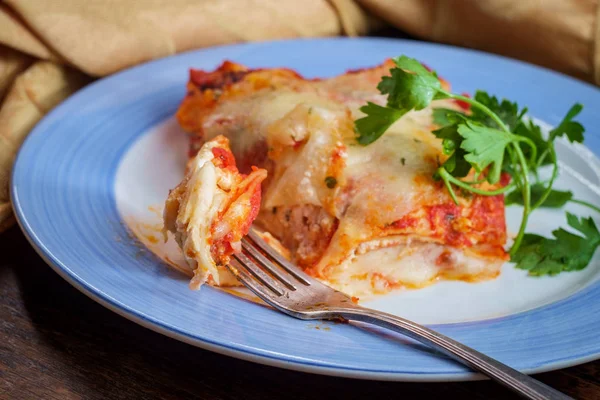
(572, 129)
(507, 111)
(445, 116)
(528, 257)
(587, 226)
(451, 139)
(377, 121)
(485, 147)
(556, 198)
(410, 86)
(456, 164)
(567, 252)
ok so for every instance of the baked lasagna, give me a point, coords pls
(363, 219)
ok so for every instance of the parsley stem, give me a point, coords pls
(448, 185)
(514, 163)
(542, 158)
(531, 145)
(586, 204)
(526, 198)
(475, 182)
(478, 105)
(546, 193)
(450, 179)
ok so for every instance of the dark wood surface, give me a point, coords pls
(56, 343)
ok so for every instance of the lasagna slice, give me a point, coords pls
(365, 219)
(211, 210)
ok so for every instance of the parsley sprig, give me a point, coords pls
(492, 139)
(567, 252)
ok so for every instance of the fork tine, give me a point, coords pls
(259, 274)
(266, 264)
(253, 238)
(239, 270)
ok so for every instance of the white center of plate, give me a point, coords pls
(155, 164)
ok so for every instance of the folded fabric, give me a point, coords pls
(83, 39)
(34, 92)
(51, 48)
(559, 34)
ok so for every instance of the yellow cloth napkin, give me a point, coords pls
(51, 48)
(559, 34)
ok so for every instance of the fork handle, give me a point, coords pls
(524, 385)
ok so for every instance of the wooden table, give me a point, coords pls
(55, 343)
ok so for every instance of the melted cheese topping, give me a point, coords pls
(301, 143)
(304, 132)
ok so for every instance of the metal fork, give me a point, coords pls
(285, 287)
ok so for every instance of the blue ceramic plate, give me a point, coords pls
(98, 167)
